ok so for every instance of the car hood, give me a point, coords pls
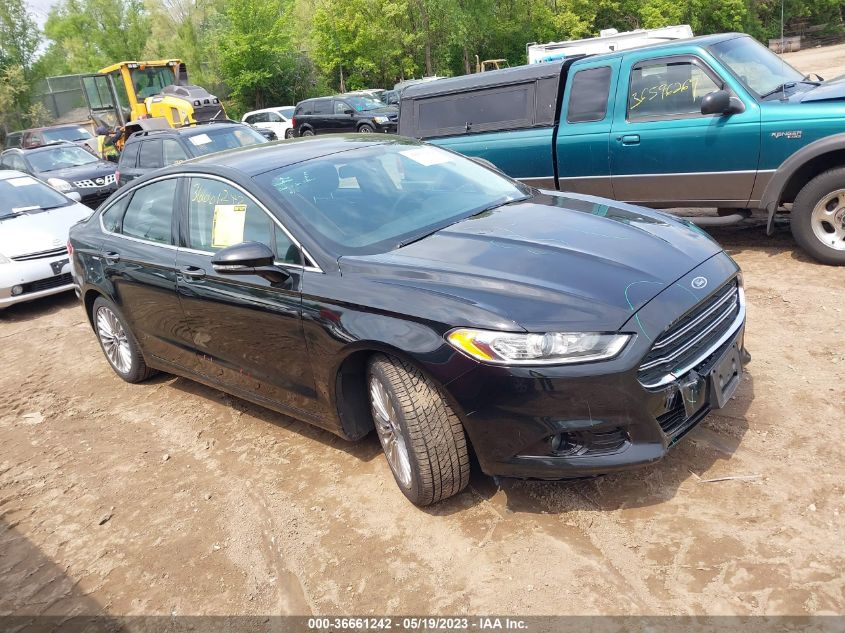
(41, 231)
(555, 261)
(834, 89)
(82, 172)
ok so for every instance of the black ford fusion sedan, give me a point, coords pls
(357, 282)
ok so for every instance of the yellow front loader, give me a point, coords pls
(150, 94)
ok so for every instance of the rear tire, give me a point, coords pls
(366, 129)
(119, 345)
(289, 133)
(307, 132)
(817, 220)
(422, 438)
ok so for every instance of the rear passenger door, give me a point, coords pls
(149, 156)
(138, 256)
(341, 120)
(583, 153)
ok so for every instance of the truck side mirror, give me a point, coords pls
(721, 102)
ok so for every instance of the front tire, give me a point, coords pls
(818, 217)
(118, 343)
(422, 437)
(366, 129)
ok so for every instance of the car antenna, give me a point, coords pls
(782, 51)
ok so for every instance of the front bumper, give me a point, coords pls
(37, 278)
(584, 420)
(93, 197)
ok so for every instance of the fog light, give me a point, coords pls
(17, 290)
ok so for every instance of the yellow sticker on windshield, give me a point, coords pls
(227, 227)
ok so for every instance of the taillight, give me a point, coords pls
(293, 122)
(69, 249)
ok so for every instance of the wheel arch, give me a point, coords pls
(350, 387)
(799, 169)
(88, 299)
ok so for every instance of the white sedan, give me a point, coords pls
(34, 224)
(276, 119)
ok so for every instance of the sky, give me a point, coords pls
(39, 9)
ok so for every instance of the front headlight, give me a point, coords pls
(381, 120)
(551, 348)
(60, 185)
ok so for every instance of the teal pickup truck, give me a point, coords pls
(713, 121)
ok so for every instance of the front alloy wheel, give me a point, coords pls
(422, 438)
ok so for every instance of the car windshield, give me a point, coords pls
(286, 112)
(218, 139)
(66, 134)
(362, 104)
(26, 194)
(376, 198)
(756, 66)
(60, 157)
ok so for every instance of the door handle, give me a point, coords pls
(629, 139)
(111, 257)
(193, 272)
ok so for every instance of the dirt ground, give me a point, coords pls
(827, 61)
(172, 498)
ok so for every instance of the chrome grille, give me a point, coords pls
(694, 337)
(96, 182)
(55, 252)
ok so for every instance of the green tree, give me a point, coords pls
(19, 35)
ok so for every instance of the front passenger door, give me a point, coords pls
(343, 121)
(247, 332)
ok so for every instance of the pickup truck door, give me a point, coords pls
(663, 151)
(582, 143)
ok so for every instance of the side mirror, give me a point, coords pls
(74, 195)
(721, 102)
(248, 258)
(349, 111)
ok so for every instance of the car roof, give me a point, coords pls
(6, 174)
(41, 148)
(188, 130)
(273, 109)
(256, 159)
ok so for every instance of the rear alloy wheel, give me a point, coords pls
(307, 132)
(818, 217)
(118, 343)
(366, 129)
(422, 438)
(289, 133)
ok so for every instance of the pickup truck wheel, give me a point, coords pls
(818, 217)
(366, 129)
(422, 437)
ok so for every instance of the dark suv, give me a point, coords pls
(343, 113)
(148, 150)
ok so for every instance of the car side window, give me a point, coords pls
(149, 157)
(173, 151)
(668, 88)
(323, 106)
(113, 216)
(129, 156)
(588, 95)
(272, 117)
(340, 107)
(149, 214)
(221, 215)
(252, 118)
(19, 163)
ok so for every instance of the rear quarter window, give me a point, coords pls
(589, 95)
(129, 156)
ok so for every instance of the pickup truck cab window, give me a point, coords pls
(588, 95)
(669, 87)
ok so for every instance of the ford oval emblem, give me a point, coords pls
(699, 282)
